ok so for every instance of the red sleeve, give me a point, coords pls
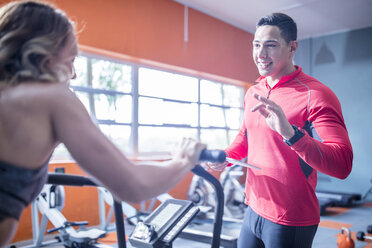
(239, 148)
(332, 154)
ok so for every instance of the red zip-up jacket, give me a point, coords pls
(283, 191)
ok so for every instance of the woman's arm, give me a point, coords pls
(104, 161)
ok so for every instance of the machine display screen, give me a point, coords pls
(165, 215)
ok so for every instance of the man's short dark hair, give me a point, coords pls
(286, 25)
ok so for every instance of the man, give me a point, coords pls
(292, 128)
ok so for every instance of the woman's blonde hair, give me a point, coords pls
(31, 34)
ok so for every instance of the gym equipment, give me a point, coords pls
(362, 236)
(206, 155)
(164, 224)
(203, 195)
(234, 192)
(201, 190)
(339, 199)
(75, 180)
(133, 216)
(68, 235)
(131, 213)
(48, 203)
(336, 199)
(368, 192)
(168, 230)
(345, 240)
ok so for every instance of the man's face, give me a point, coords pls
(271, 53)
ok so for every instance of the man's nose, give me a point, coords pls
(262, 53)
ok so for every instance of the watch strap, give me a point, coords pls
(296, 137)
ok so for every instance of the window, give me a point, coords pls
(145, 110)
(221, 113)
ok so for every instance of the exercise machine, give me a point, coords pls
(105, 197)
(206, 155)
(68, 236)
(336, 199)
(202, 194)
(167, 222)
(133, 216)
(49, 203)
(164, 224)
(173, 231)
(339, 199)
(233, 191)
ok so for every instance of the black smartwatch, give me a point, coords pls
(296, 137)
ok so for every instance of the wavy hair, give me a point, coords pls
(31, 34)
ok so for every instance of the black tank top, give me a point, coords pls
(19, 187)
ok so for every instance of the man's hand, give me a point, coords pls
(274, 116)
(217, 166)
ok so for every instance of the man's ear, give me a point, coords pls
(293, 46)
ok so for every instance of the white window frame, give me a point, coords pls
(133, 146)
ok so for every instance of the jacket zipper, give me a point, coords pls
(268, 93)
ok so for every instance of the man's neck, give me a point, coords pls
(271, 81)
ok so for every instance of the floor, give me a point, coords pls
(356, 219)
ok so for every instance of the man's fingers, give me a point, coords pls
(260, 98)
(266, 106)
(217, 166)
(264, 112)
(258, 106)
(263, 100)
(262, 109)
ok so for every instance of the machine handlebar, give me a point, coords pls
(217, 156)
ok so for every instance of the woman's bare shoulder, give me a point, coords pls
(61, 101)
(36, 90)
(50, 95)
(29, 95)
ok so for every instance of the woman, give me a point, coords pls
(38, 111)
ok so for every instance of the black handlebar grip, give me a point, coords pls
(217, 156)
(69, 180)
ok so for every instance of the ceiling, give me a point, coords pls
(313, 17)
